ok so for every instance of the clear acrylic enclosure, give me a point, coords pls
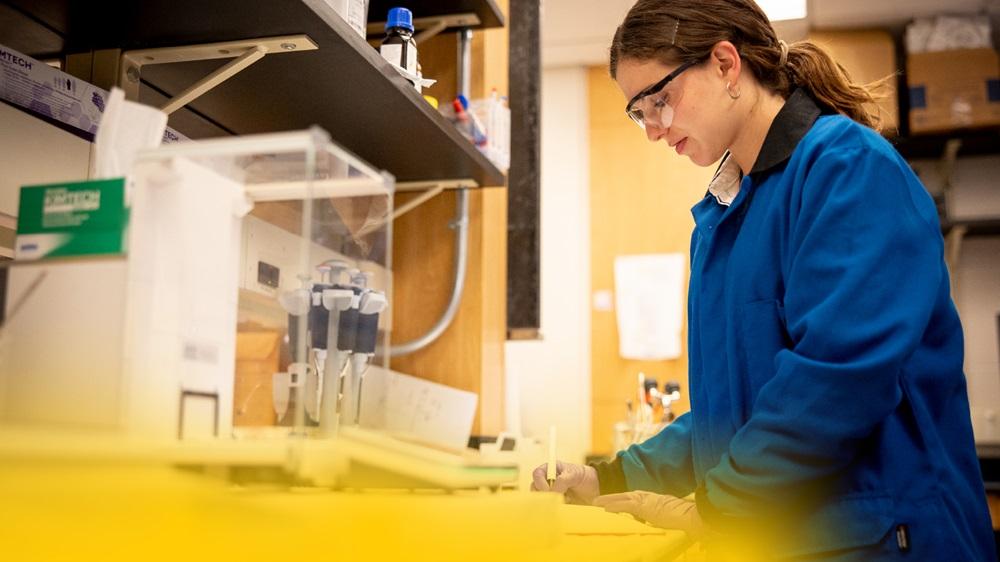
(254, 291)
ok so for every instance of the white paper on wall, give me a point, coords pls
(649, 298)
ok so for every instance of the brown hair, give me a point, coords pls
(677, 31)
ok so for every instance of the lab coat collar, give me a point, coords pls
(792, 123)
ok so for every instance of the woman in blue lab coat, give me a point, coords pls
(829, 413)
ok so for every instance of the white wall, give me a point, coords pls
(550, 378)
(978, 298)
(975, 194)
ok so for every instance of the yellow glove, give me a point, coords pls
(666, 512)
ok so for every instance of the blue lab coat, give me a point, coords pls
(827, 391)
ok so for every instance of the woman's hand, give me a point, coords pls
(666, 512)
(577, 482)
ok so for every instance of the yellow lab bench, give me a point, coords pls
(58, 508)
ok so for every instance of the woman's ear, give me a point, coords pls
(726, 62)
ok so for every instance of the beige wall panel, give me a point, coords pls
(641, 196)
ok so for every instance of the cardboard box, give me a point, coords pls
(868, 56)
(257, 360)
(953, 90)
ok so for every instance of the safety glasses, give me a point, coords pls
(652, 106)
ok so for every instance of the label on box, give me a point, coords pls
(993, 90)
(52, 94)
(72, 219)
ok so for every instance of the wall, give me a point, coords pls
(978, 299)
(606, 191)
(974, 196)
(549, 379)
(644, 193)
(976, 282)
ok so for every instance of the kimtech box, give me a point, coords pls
(953, 90)
(55, 96)
(72, 220)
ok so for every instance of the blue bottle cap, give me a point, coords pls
(400, 17)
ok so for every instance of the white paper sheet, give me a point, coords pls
(126, 128)
(418, 410)
(649, 298)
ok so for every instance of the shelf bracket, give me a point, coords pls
(953, 253)
(431, 26)
(244, 53)
(417, 201)
(953, 241)
(465, 183)
(951, 149)
(431, 189)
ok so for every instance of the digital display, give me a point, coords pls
(268, 275)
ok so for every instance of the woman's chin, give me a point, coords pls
(699, 158)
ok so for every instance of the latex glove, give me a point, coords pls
(666, 512)
(577, 482)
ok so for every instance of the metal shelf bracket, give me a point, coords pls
(244, 53)
(465, 183)
(430, 189)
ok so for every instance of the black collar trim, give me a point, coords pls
(792, 123)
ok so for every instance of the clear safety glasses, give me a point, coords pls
(651, 107)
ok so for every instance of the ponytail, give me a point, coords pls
(809, 66)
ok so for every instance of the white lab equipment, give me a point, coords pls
(641, 421)
(284, 383)
(201, 268)
(224, 234)
(370, 306)
(336, 301)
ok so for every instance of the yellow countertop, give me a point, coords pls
(54, 509)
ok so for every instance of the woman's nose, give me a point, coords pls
(654, 133)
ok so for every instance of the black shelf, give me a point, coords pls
(975, 142)
(489, 13)
(344, 87)
(989, 464)
(982, 227)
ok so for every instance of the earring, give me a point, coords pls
(729, 90)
